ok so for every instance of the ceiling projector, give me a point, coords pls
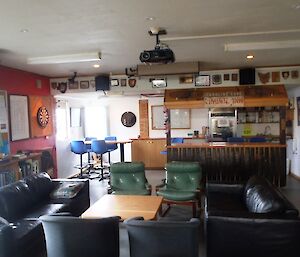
(160, 54)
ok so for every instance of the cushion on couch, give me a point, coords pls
(260, 197)
(67, 190)
(15, 199)
(40, 184)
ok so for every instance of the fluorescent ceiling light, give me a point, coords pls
(262, 45)
(69, 58)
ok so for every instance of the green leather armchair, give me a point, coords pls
(182, 184)
(128, 178)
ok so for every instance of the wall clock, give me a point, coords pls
(43, 116)
(128, 119)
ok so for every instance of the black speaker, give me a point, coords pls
(102, 83)
(247, 76)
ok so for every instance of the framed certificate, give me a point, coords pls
(202, 80)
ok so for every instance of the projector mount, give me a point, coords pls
(157, 33)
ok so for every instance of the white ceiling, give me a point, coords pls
(118, 29)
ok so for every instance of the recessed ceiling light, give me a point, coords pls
(250, 56)
(96, 65)
(150, 18)
(24, 30)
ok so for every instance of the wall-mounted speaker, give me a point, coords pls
(102, 83)
(247, 76)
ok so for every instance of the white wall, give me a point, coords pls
(294, 154)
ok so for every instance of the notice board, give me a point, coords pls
(4, 126)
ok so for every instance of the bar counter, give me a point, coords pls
(234, 162)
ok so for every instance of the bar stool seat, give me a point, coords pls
(99, 147)
(79, 147)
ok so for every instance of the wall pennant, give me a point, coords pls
(264, 77)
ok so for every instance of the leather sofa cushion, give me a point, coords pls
(15, 199)
(40, 185)
(44, 209)
(260, 197)
(28, 237)
(225, 203)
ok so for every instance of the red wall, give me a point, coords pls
(24, 83)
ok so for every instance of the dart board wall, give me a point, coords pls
(40, 116)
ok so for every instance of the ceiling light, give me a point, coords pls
(262, 45)
(24, 30)
(250, 56)
(69, 58)
(150, 18)
(96, 65)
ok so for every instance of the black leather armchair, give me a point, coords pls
(250, 220)
(77, 237)
(163, 238)
(21, 205)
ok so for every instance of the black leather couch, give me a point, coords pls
(249, 220)
(21, 205)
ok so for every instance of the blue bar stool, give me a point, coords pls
(257, 139)
(89, 151)
(78, 147)
(111, 147)
(99, 147)
(175, 140)
(235, 140)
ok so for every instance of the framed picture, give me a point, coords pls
(298, 109)
(180, 118)
(226, 77)
(202, 80)
(114, 82)
(92, 83)
(234, 77)
(19, 117)
(84, 84)
(73, 85)
(123, 82)
(216, 79)
(186, 80)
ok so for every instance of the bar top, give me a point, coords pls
(225, 144)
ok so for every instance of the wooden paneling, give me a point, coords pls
(35, 102)
(236, 164)
(144, 118)
(253, 96)
(148, 151)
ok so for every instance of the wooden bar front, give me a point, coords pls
(227, 162)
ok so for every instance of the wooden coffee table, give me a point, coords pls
(125, 206)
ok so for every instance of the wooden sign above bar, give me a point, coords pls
(241, 96)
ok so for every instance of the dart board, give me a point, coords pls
(43, 116)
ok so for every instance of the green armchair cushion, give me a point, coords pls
(177, 195)
(182, 181)
(129, 178)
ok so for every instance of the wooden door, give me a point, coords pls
(148, 151)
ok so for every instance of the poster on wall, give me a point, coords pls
(4, 138)
(18, 113)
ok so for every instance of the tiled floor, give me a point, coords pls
(98, 189)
